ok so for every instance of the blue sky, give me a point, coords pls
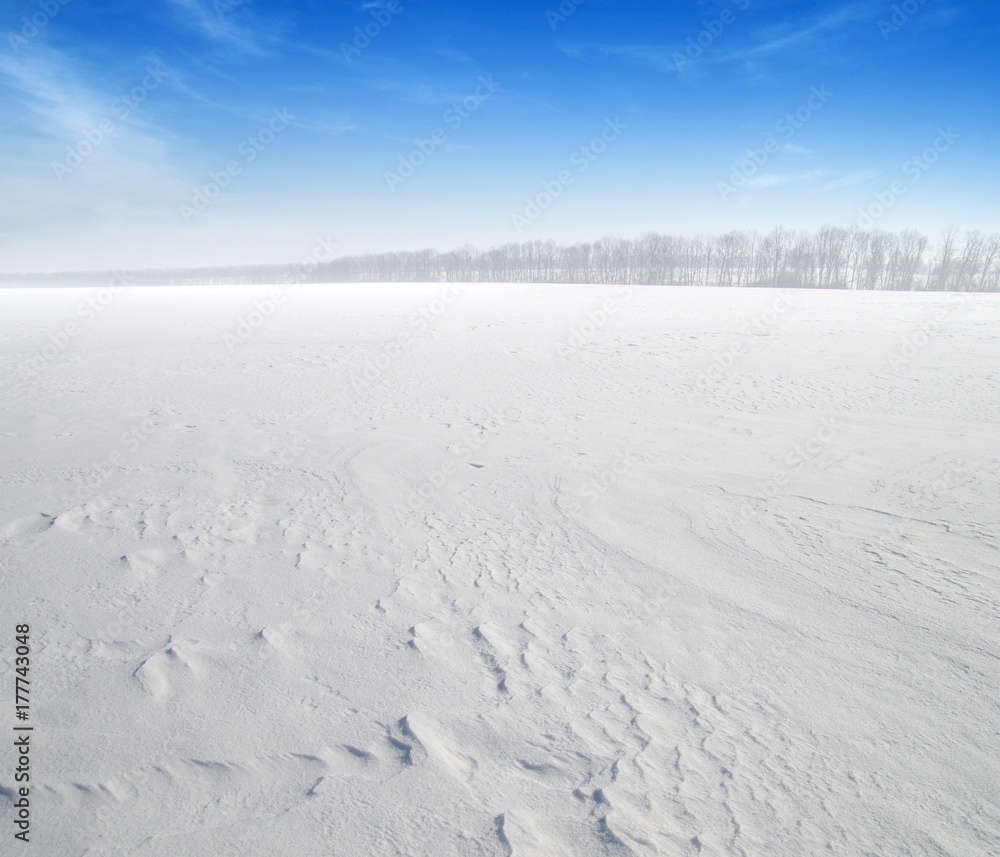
(189, 132)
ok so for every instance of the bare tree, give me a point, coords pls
(801, 262)
(970, 263)
(912, 246)
(729, 246)
(943, 268)
(833, 257)
(989, 279)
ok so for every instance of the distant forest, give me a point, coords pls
(832, 258)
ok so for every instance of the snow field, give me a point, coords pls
(563, 570)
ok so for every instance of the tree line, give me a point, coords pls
(831, 258)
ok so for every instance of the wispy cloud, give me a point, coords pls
(456, 56)
(848, 180)
(659, 57)
(205, 18)
(125, 160)
(780, 38)
(767, 180)
(54, 104)
(759, 45)
(329, 124)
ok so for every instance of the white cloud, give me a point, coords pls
(203, 17)
(848, 180)
(119, 162)
(769, 41)
(777, 39)
(659, 57)
(766, 180)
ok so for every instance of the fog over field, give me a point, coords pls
(557, 429)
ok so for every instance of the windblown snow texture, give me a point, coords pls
(573, 570)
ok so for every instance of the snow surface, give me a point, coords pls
(542, 586)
